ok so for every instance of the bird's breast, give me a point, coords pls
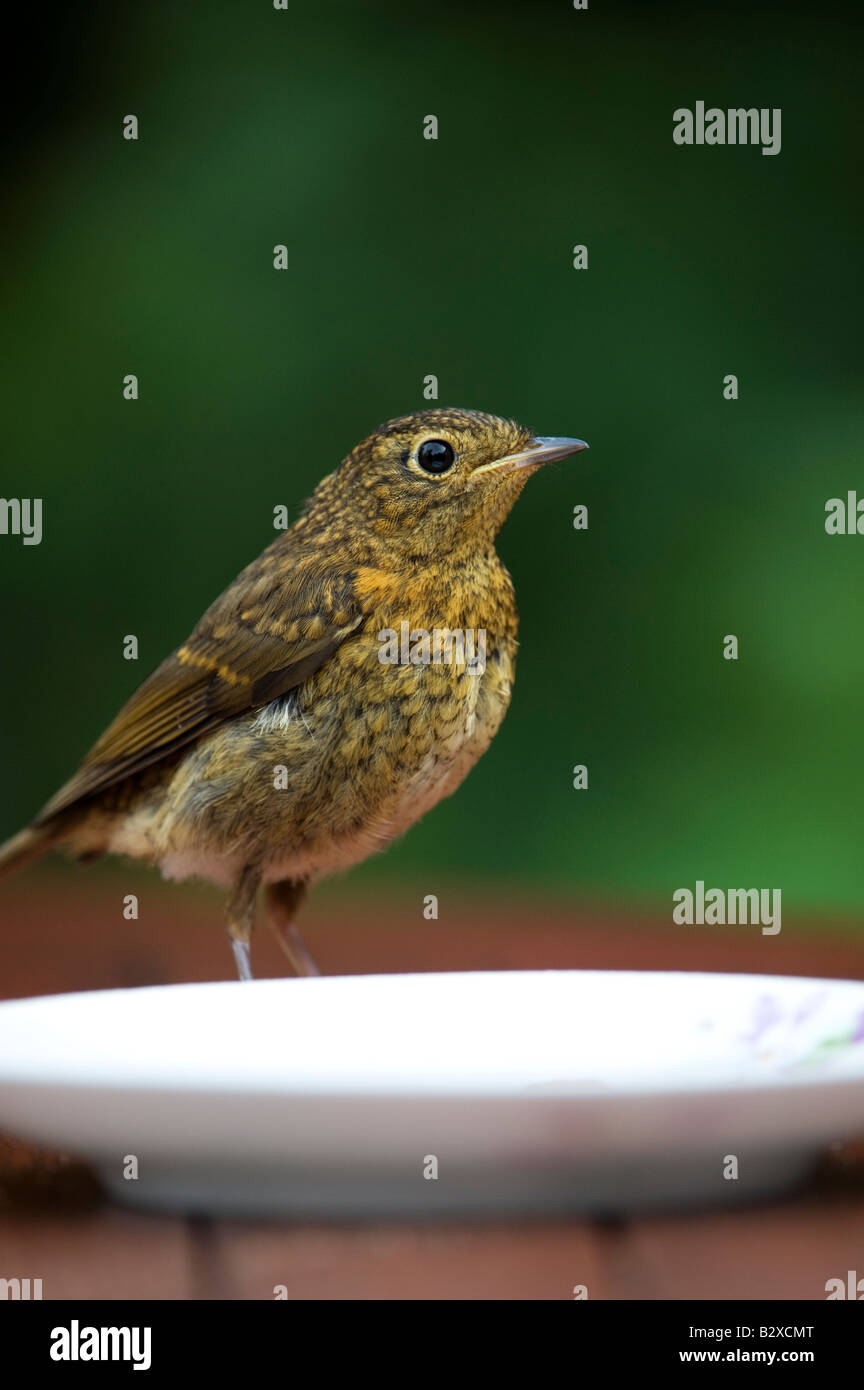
(389, 749)
(390, 724)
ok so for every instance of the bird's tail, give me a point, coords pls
(24, 847)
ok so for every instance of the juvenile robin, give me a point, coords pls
(288, 737)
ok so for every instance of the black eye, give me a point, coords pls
(436, 456)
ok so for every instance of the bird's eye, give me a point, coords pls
(436, 455)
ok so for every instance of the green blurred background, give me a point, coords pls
(409, 257)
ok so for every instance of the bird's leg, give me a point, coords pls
(283, 900)
(241, 917)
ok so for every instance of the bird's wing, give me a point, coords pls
(262, 638)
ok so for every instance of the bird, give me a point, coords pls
(288, 738)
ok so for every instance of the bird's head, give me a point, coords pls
(438, 481)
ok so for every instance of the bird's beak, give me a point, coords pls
(542, 449)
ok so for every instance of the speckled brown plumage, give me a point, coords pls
(274, 746)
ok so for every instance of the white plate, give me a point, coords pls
(592, 1090)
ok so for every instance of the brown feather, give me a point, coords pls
(261, 639)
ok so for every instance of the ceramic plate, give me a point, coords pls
(526, 1090)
